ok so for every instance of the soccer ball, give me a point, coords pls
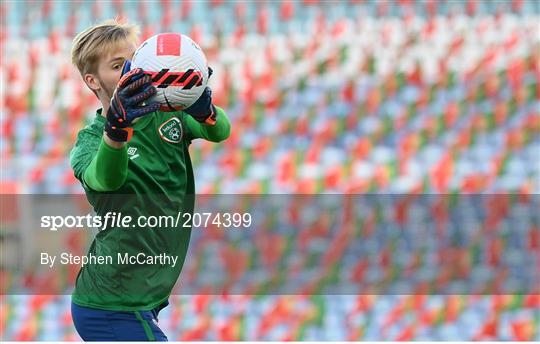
(178, 68)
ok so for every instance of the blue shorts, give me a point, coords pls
(100, 325)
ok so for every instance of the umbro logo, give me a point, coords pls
(132, 152)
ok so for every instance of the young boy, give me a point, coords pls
(132, 159)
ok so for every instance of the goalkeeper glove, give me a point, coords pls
(203, 110)
(133, 88)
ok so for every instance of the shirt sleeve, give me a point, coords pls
(214, 133)
(97, 165)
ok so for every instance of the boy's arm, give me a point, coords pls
(98, 165)
(214, 133)
(108, 169)
(100, 161)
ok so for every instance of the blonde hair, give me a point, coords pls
(94, 42)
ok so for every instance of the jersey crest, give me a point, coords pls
(171, 130)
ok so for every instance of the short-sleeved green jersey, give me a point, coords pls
(159, 181)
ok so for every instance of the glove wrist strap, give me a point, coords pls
(211, 119)
(118, 134)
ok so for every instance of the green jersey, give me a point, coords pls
(151, 176)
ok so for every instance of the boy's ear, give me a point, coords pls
(92, 82)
